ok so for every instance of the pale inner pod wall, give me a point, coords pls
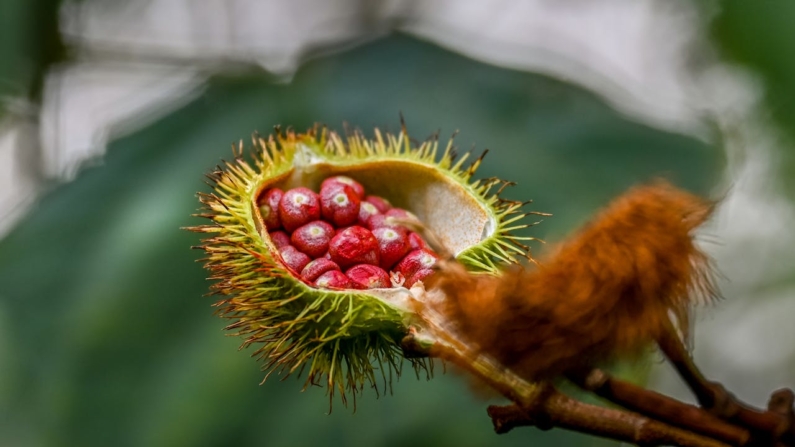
(443, 205)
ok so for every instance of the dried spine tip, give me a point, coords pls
(606, 292)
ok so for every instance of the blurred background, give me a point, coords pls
(111, 111)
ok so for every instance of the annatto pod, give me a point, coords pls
(342, 337)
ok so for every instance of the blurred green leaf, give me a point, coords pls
(105, 336)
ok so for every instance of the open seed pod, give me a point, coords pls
(342, 336)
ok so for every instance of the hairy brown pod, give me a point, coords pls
(606, 292)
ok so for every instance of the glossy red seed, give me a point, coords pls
(345, 181)
(393, 244)
(354, 245)
(335, 279)
(293, 258)
(369, 276)
(366, 210)
(339, 204)
(279, 238)
(419, 275)
(416, 241)
(379, 221)
(414, 261)
(298, 207)
(313, 238)
(380, 203)
(400, 213)
(319, 266)
(269, 208)
(383, 220)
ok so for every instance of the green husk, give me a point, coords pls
(345, 339)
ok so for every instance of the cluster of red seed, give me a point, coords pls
(320, 236)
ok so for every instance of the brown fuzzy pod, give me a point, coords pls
(606, 292)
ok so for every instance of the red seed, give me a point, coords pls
(419, 275)
(354, 245)
(339, 204)
(417, 242)
(393, 244)
(334, 279)
(400, 214)
(298, 206)
(279, 238)
(345, 181)
(380, 203)
(313, 238)
(319, 266)
(414, 261)
(366, 210)
(379, 221)
(293, 258)
(269, 208)
(369, 276)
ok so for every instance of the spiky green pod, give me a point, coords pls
(345, 338)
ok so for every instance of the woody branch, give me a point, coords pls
(544, 407)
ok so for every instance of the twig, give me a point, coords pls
(773, 425)
(781, 402)
(660, 407)
(542, 406)
(559, 410)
